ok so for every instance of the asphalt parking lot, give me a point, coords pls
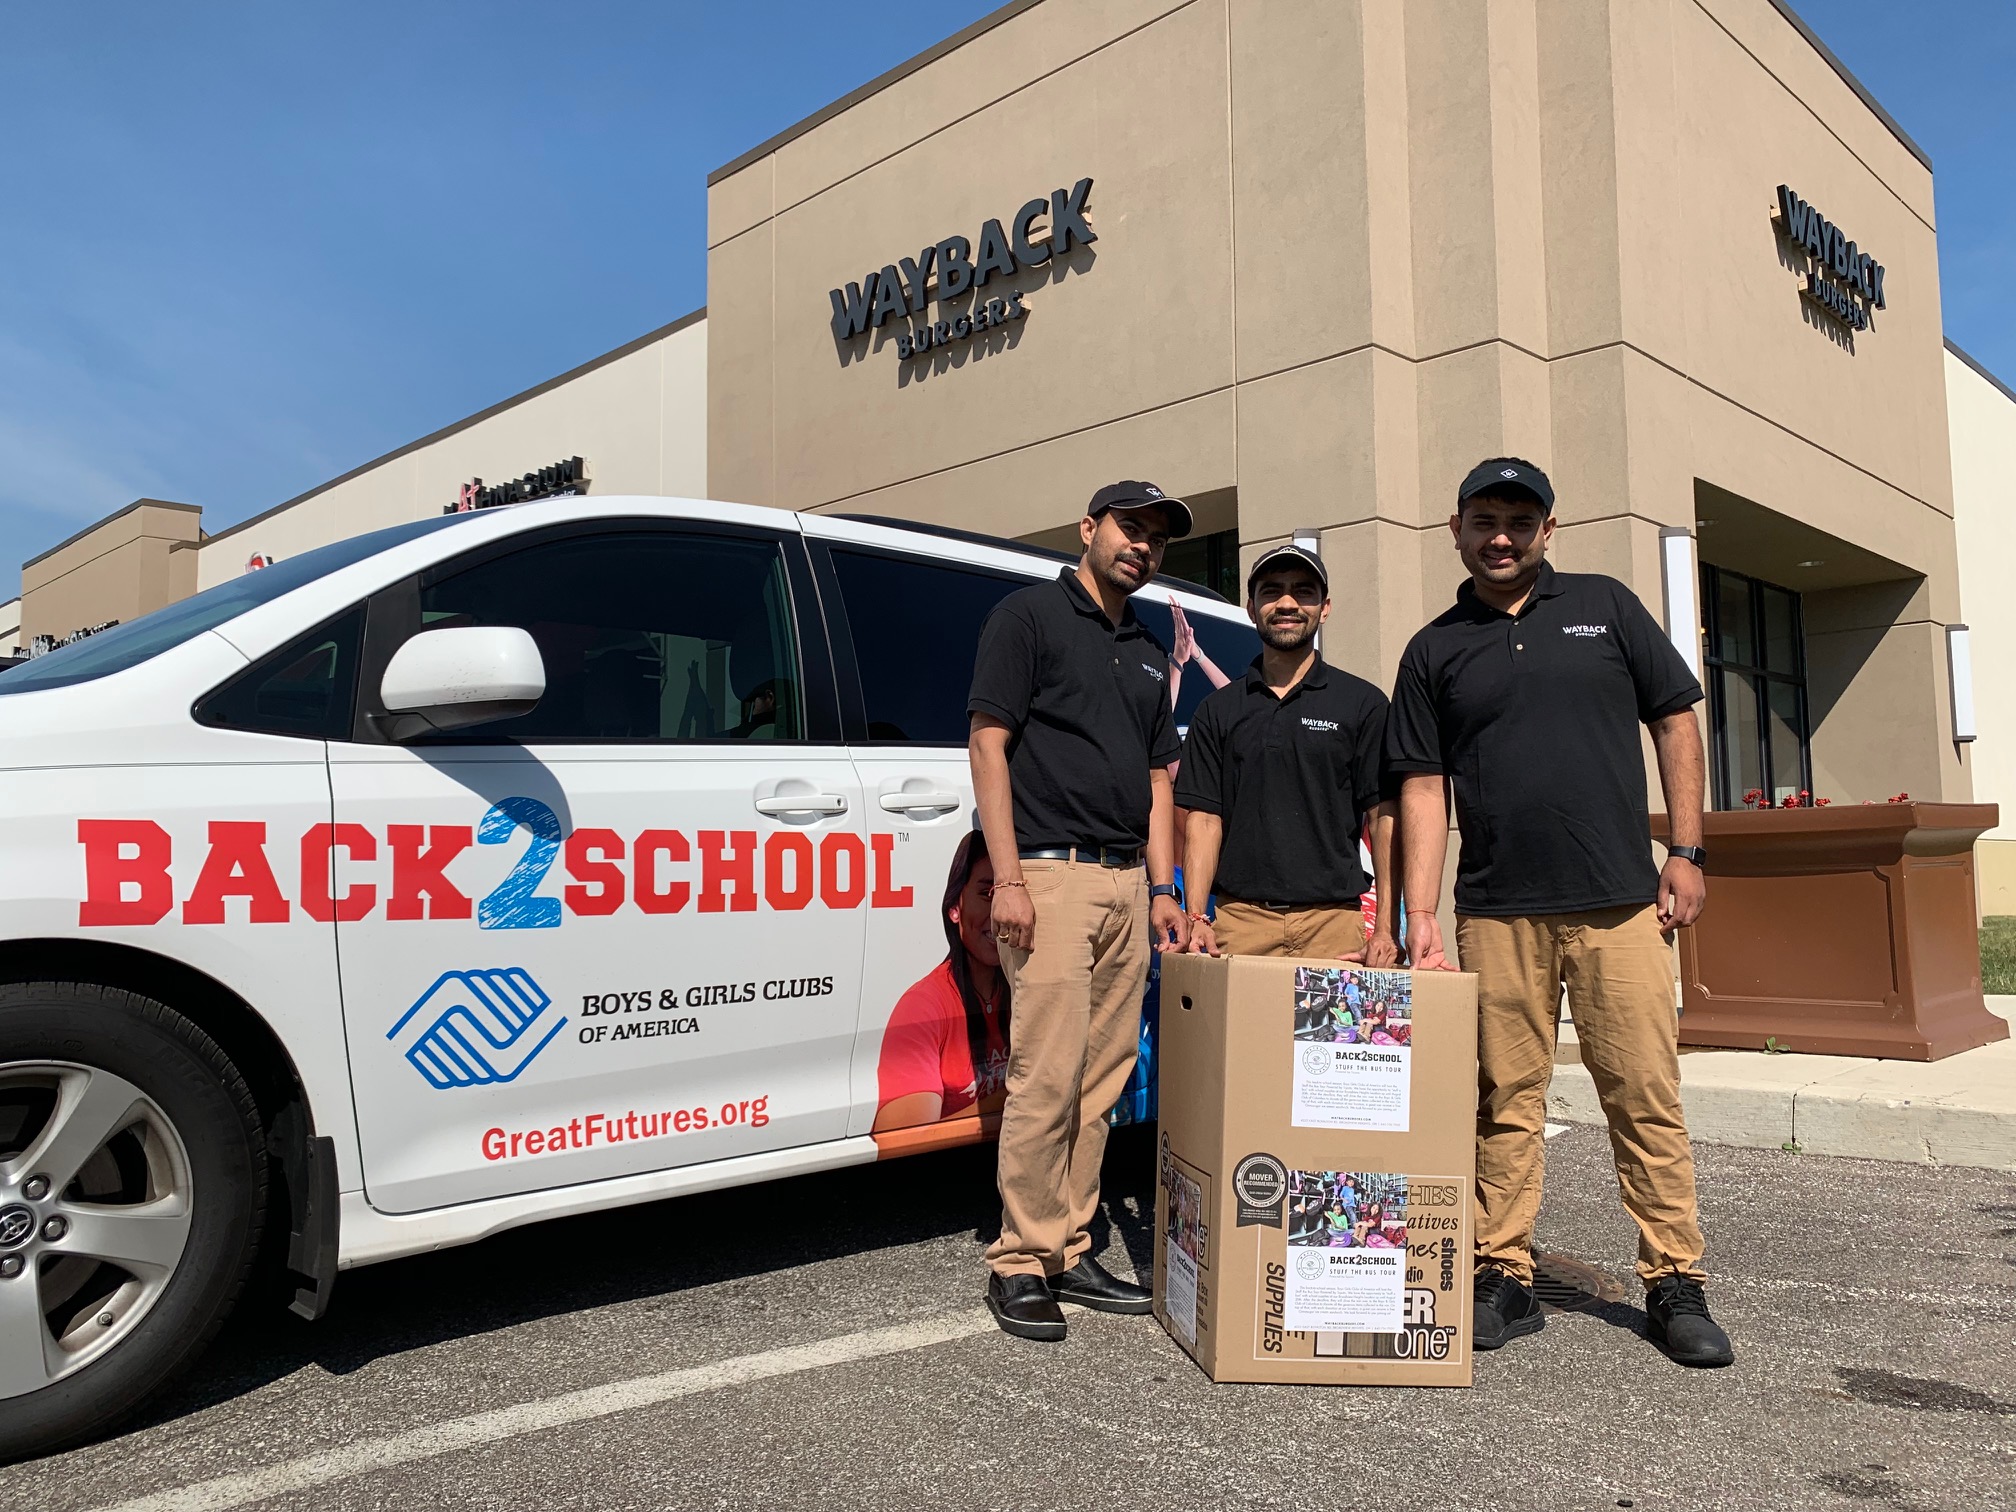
(818, 1343)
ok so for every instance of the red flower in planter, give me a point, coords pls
(1755, 799)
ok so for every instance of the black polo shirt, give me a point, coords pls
(1292, 779)
(1534, 720)
(1088, 704)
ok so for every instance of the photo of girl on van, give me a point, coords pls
(945, 1052)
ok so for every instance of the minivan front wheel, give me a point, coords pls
(132, 1181)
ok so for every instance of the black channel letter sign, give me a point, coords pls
(1041, 230)
(554, 480)
(1843, 280)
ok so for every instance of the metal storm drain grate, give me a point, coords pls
(1565, 1285)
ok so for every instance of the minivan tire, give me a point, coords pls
(213, 1126)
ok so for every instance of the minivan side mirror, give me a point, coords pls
(447, 679)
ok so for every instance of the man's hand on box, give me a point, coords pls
(1381, 949)
(1424, 942)
(1203, 938)
(1168, 926)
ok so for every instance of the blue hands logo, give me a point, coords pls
(482, 1027)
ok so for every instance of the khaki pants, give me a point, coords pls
(1619, 976)
(1075, 1026)
(1249, 929)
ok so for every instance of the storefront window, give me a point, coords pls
(1756, 689)
(1210, 561)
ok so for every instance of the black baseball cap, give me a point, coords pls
(1131, 494)
(1503, 475)
(1288, 553)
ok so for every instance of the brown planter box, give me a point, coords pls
(1847, 930)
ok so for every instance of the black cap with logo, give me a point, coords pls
(1136, 495)
(1292, 555)
(1505, 475)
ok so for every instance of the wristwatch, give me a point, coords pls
(1161, 890)
(1692, 853)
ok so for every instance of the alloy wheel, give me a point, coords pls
(96, 1201)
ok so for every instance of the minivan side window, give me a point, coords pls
(916, 624)
(1231, 647)
(646, 636)
(308, 687)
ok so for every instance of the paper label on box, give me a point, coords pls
(1353, 1049)
(1347, 1252)
(1185, 1239)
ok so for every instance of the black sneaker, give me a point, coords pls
(1504, 1309)
(1677, 1311)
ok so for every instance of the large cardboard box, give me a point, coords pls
(1317, 1160)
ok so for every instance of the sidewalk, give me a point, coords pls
(1958, 1111)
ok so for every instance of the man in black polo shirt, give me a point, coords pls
(1072, 736)
(1279, 770)
(1528, 696)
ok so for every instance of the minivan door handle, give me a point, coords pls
(941, 803)
(802, 803)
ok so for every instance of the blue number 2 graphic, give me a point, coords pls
(512, 904)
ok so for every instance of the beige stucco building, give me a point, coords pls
(1307, 263)
(635, 416)
(1983, 410)
(1343, 251)
(117, 569)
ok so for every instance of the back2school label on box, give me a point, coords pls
(1366, 1267)
(1353, 1049)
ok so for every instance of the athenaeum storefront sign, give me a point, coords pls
(555, 480)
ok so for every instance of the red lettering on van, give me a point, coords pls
(727, 857)
(835, 851)
(885, 894)
(650, 845)
(236, 868)
(318, 865)
(109, 872)
(586, 863)
(420, 856)
(787, 849)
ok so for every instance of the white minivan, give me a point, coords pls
(480, 870)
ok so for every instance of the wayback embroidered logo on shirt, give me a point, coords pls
(1154, 672)
(1585, 631)
(1318, 724)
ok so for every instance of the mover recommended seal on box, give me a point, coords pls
(1315, 1206)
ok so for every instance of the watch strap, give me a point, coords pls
(1697, 854)
(1162, 890)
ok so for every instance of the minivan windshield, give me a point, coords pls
(139, 640)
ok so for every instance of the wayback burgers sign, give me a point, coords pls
(949, 270)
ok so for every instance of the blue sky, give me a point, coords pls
(249, 246)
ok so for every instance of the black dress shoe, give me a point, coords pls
(1023, 1306)
(1505, 1309)
(1090, 1284)
(1676, 1312)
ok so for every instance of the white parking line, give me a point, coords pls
(367, 1455)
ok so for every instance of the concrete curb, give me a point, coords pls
(1959, 1111)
